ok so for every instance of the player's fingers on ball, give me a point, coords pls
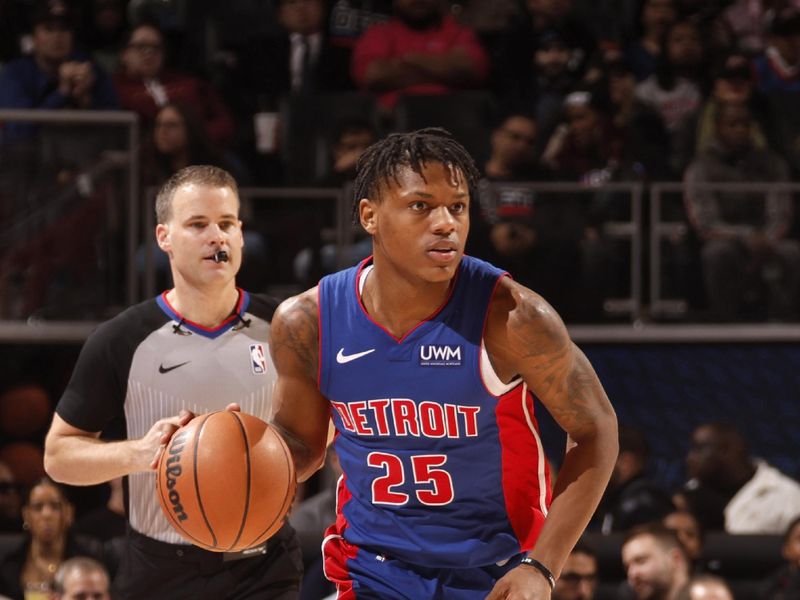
(157, 457)
(184, 417)
(233, 407)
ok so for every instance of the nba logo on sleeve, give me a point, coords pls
(258, 360)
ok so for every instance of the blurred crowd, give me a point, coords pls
(289, 92)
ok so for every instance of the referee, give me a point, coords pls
(199, 347)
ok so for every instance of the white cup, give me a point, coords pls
(266, 129)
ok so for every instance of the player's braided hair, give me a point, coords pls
(380, 162)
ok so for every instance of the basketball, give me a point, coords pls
(226, 481)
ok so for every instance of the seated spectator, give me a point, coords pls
(81, 578)
(30, 567)
(421, 50)
(784, 584)
(643, 52)
(706, 587)
(743, 234)
(351, 137)
(145, 85)
(674, 89)
(578, 579)
(529, 233)
(729, 488)
(655, 563)
(690, 534)
(778, 67)
(749, 21)
(55, 76)
(733, 84)
(631, 498)
(640, 126)
(299, 59)
(104, 31)
(10, 515)
(586, 148)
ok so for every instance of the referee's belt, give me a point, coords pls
(188, 552)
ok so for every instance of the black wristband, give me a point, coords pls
(551, 581)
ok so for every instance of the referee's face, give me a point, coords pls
(204, 221)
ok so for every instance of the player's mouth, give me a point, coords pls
(443, 252)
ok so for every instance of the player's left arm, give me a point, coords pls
(525, 336)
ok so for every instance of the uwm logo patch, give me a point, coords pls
(432, 355)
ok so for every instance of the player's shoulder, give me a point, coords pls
(262, 306)
(298, 308)
(516, 307)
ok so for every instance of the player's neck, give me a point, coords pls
(205, 306)
(398, 304)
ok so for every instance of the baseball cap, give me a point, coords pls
(52, 11)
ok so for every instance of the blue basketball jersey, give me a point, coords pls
(443, 464)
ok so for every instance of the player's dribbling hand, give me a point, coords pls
(521, 583)
(156, 440)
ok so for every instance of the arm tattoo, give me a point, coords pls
(299, 334)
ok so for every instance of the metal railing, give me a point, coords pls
(662, 230)
(126, 160)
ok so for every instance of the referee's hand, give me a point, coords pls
(158, 437)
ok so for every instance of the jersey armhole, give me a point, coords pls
(491, 381)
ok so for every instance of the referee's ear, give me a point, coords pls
(162, 237)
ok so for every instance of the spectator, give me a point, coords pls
(145, 85)
(689, 533)
(578, 579)
(31, 565)
(655, 563)
(706, 587)
(299, 59)
(749, 21)
(420, 50)
(55, 76)
(639, 124)
(784, 584)
(586, 148)
(631, 498)
(674, 89)
(743, 234)
(643, 53)
(81, 578)
(350, 139)
(727, 487)
(104, 31)
(532, 235)
(733, 84)
(778, 67)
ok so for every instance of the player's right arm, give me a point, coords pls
(303, 412)
(79, 457)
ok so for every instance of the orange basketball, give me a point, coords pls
(226, 481)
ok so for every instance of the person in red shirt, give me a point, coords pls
(144, 85)
(420, 50)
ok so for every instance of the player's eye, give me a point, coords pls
(458, 208)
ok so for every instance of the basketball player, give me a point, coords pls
(191, 350)
(428, 361)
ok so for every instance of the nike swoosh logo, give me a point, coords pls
(163, 369)
(343, 358)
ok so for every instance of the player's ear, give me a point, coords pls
(162, 237)
(367, 216)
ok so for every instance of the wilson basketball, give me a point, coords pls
(226, 481)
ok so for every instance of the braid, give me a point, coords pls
(380, 162)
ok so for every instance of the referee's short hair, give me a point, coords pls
(207, 175)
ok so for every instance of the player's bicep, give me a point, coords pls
(302, 412)
(537, 345)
